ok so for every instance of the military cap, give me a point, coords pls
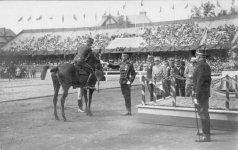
(90, 40)
(201, 52)
(193, 59)
(150, 57)
(124, 54)
(156, 58)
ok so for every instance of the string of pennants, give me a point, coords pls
(75, 17)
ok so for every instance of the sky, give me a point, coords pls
(12, 11)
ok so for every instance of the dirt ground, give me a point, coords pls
(30, 124)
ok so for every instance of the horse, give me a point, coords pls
(65, 75)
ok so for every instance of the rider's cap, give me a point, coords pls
(90, 40)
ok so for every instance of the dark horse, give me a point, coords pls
(65, 75)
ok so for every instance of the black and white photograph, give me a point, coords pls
(118, 74)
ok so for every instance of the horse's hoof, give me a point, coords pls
(90, 114)
(65, 120)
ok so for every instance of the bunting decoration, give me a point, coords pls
(96, 16)
(124, 6)
(29, 18)
(233, 2)
(84, 16)
(39, 18)
(218, 4)
(234, 38)
(186, 6)
(173, 7)
(141, 3)
(51, 18)
(20, 19)
(160, 10)
(75, 18)
(203, 37)
(62, 18)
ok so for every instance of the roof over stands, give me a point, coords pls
(125, 45)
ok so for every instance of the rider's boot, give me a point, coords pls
(88, 82)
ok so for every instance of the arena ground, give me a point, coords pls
(29, 124)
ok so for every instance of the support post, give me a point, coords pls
(143, 90)
(227, 92)
(172, 91)
(236, 86)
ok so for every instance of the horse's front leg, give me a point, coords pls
(65, 93)
(89, 102)
(85, 94)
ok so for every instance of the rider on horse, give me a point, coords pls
(82, 55)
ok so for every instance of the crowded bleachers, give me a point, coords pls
(168, 35)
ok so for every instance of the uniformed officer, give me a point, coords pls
(150, 64)
(188, 74)
(127, 76)
(201, 93)
(157, 76)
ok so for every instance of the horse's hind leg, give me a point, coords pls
(56, 85)
(65, 93)
(89, 102)
(85, 94)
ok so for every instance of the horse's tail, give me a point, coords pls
(43, 72)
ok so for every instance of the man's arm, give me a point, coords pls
(113, 66)
(133, 73)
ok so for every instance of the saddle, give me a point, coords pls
(81, 77)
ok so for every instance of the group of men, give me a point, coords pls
(197, 74)
(194, 80)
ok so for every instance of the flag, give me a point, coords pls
(75, 18)
(62, 18)
(173, 7)
(124, 6)
(160, 10)
(141, 3)
(39, 18)
(20, 19)
(203, 37)
(233, 2)
(105, 13)
(96, 17)
(84, 16)
(29, 18)
(186, 6)
(234, 38)
(218, 4)
(51, 18)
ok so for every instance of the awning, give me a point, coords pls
(125, 45)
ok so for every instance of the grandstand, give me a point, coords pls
(168, 38)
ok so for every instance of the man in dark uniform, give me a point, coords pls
(201, 93)
(82, 54)
(127, 76)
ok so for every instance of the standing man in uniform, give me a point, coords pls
(188, 74)
(201, 93)
(127, 76)
(150, 64)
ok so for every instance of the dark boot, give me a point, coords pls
(80, 104)
(90, 77)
